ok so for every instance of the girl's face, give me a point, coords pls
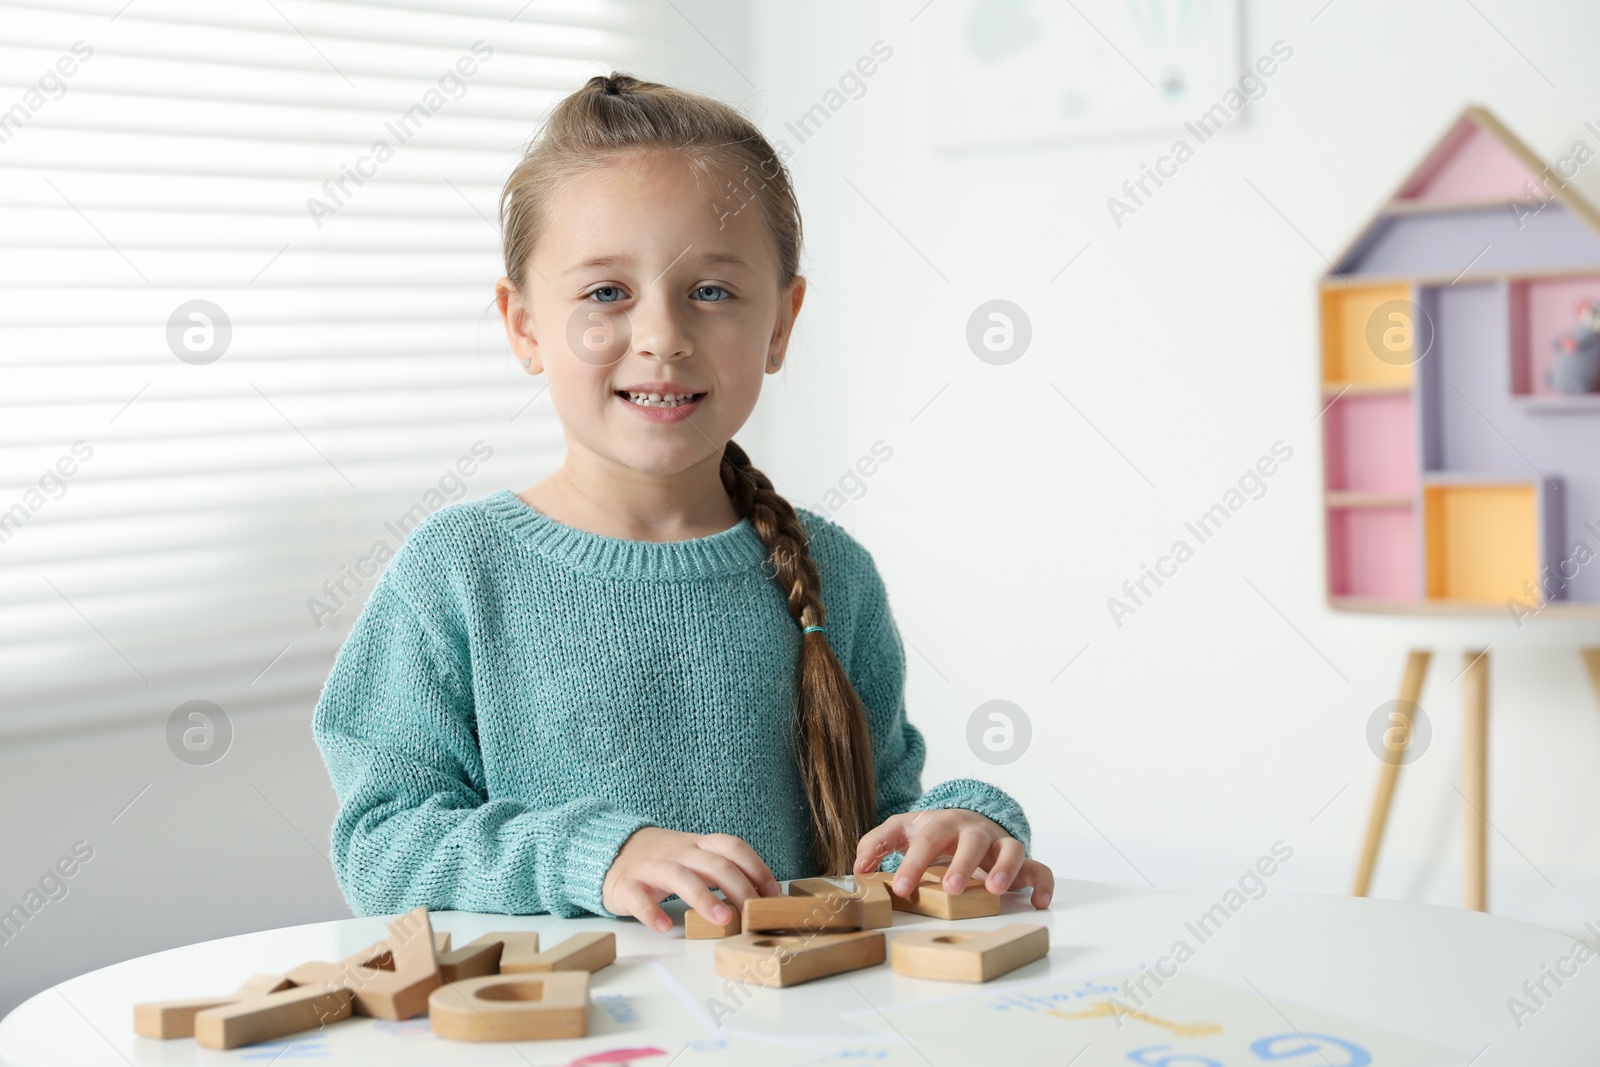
(646, 282)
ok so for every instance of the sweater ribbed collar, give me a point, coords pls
(737, 548)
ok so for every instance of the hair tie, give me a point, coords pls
(808, 629)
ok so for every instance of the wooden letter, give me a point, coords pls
(831, 913)
(268, 1015)
(580, 952)
(930, 897)
(697, 928)
(951, 957)
(490, 954)
(870, 891)
(389, 980)
(164, 1019)
(512, 1008)
(776, 961)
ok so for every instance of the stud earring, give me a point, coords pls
(528, 362)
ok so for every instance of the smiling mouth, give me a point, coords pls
(659, 400)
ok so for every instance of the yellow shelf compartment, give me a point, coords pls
(1484, 536)
(1352, 319)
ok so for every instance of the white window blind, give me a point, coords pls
(198, 528)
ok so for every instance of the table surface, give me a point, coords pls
(1319, 981)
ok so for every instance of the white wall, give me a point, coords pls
(1193, 737)
(1209, 725)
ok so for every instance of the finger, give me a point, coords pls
(722, 873)
(636, 900)
(1008, 861)
(1041, 878)
(693, 890)
(973, 846)
(930, 836)
(889, 836)
(746, 859)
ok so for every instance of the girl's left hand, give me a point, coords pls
(968, 840)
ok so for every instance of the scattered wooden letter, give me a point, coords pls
(778, 960)
(489, 954)
(696, 927)
(830, 913)
(580, 952)
(265, 1016)
(163, 1019)
(870, 891)
(390, 979)
(535, 1007)
(958, 957)
(930, 897)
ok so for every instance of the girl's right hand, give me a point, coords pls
(654, 863)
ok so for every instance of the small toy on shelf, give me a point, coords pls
(1577, 365)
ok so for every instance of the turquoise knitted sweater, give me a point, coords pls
(518, 696)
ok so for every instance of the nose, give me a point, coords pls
(659, 331)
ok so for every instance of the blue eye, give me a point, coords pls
(715, 289)
(607, 289)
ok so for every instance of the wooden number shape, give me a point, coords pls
(873, 893)
(776, 961)
(830, 913)
(490, 954)
(930, 898)
(163, 1019)
(265, 1016)
(955, 957)
(537, 1007)
(580, 952)
(697, 927)
(390, 979)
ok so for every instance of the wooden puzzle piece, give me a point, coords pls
(390, 979)
(580, 952)
(512, 1007)
(488, 954)
(930, 898)
(782, 960)
(441, 941)
(829, 913)
(873, 893)
(697, 927)
(163, 1019)
(264, 1016)
(959, 957)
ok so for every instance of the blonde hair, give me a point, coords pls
(615, 116)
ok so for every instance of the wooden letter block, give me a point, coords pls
(512, 1007)
(776, 960)
(486, 955)
(392, 978)
(870, 891)
(268, 1015)
(580, 952)
(698, 928)
(951, 957)
(831, 913)
(164, 1019)
(930, 897)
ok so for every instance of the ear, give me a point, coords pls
(788, 309)
(514, 312)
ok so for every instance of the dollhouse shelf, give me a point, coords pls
(1447, 486)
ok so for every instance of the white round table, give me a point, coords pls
(1305, 981)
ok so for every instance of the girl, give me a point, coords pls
(647, 675)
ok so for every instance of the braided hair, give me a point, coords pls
(617, 115)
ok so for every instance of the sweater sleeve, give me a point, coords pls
(416, 827)
(877, 670)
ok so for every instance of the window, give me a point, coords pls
(247, 335)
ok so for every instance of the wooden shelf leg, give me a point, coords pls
(1475, 779)
(1591, 659)
(1389, 775)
